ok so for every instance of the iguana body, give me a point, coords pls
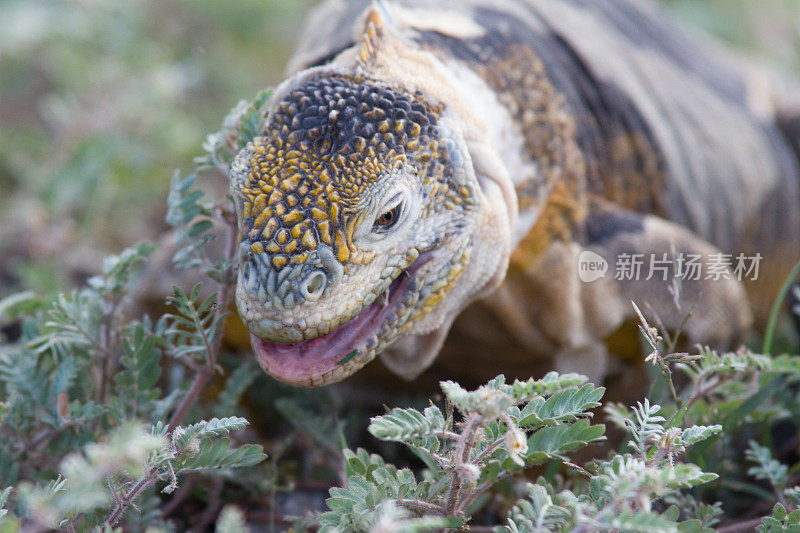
(438, 162)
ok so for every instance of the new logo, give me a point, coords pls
(591, 266)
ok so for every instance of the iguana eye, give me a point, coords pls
(388, 218)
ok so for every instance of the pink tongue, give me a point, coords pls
(300, 363)
(296, 363)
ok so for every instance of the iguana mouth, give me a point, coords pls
(318, 361)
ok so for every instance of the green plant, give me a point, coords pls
(94, 395)
(664, 478)
(90, 421)
(504, 428)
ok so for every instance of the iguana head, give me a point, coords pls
(359, 213)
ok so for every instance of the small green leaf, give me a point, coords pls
(21, 303)
(552, 442)
(347, 357)
(779, 512)
(405, 424)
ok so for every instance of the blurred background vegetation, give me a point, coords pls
(100, 100)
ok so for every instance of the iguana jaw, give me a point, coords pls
(338, 353)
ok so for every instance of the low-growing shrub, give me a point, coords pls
(103, 416)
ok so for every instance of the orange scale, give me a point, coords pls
(297, 230)
(282, 236)
(340, 247)
(290, 184)
(292, 218)
(318, 214)
(324, 229)
(308, 240)
(270, 228)
(260, 203)
(299, 258)
(276, 196)
(291, 247)
(263, 217)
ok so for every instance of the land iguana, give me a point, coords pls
(433, 167)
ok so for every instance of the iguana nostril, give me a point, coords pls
(312, 287)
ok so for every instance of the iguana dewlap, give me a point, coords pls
(430, 163)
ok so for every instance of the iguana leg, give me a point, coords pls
(547, 308)
(722, 315)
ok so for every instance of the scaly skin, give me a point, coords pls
(341, 148)
(475, 149)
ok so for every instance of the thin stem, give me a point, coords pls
(437, 458)
(447, 435)
(422, 505)
(122, 504)
(94, 342)
(108, 341)
(704, 389)
(213, 346)
(701, 390)
(199, 383)
(489, 449)
(104, 366)
(463, 448)
(105, 352)
(667, 373)
(480, 489)
(674, 342)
